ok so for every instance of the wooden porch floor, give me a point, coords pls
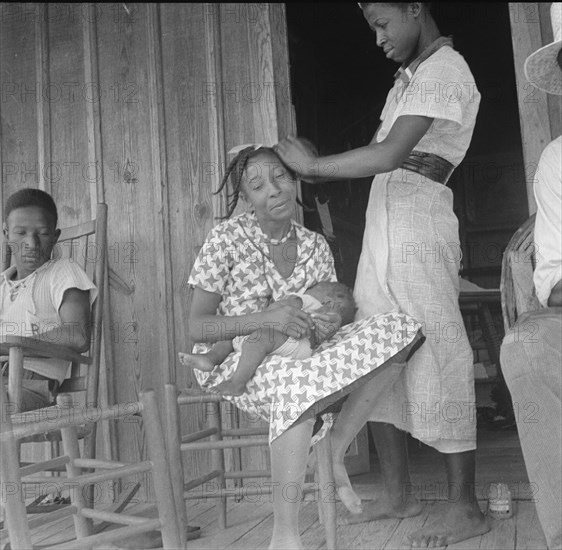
(250, 521)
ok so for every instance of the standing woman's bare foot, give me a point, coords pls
(198, 361)
(461, 521)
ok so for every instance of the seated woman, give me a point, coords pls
(247, 262)
(334, 299)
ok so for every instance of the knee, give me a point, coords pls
(513, 359)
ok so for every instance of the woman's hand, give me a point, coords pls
(298, 154)
(288, 320)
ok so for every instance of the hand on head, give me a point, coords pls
(299, 154)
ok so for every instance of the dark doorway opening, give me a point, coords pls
(339, 81)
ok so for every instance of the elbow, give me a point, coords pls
(194, 329)
(394, 161)
(390, 157)
(81, 344)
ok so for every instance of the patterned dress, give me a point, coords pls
(410, 259)
(235, 263)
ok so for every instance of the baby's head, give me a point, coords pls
(335, 297)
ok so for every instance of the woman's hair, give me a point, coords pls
(236, 170)
(427, 5)
(31, 197)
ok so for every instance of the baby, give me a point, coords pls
(331, 298)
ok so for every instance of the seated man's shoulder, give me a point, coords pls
(64, 266)
(62, 274)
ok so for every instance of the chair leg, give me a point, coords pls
(327, 489)
(15, 514)
(15, 377)
(71, 449)
(217, 457)
(171, 538)
(173, 436)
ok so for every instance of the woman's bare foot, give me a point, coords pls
(460, 522)
(230, 387)
(383, 508)
(350, 499)
(346, 493)
(198, 361)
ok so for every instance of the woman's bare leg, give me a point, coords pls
(353, 416)
(398, 499)
(289, 455)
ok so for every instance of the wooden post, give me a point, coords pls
(539, 114)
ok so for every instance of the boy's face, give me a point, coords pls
(31, 235)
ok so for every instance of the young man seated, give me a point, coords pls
(41, 298)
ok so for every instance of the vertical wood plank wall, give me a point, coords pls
(539, 113)
(136, 105)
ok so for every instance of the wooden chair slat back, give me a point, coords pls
(517, 288)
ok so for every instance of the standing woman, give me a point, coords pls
(410, 262)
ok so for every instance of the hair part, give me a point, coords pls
(403, 5)
(31, 197)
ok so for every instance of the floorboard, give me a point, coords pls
(250, 523)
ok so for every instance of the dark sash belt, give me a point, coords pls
(429, 165)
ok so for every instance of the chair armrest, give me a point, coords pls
(36, 348)
(492, 295)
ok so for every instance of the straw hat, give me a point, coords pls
(542, 68)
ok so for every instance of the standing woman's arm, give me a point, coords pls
(375, 158)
